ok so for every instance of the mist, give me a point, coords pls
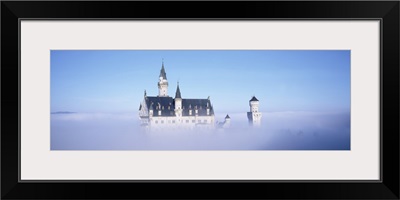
(278, 131)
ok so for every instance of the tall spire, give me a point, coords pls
(178, 92)
(162, 83)
(162, 71)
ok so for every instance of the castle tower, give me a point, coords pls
(254, 115)
(178, 102)
(227, 122)
(163, 83)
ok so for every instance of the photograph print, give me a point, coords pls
(200, 99)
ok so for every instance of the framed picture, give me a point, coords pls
(299, 96)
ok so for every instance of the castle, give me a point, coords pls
(162, 111)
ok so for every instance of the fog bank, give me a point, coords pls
(279, 131)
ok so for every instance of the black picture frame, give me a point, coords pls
(386, 11)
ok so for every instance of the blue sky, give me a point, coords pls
(114, 80)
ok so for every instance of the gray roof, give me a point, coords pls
(167, 106)
(178, 92)
(254, 99)
(200, 104)
(162, 72)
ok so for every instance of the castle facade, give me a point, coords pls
(162, 111)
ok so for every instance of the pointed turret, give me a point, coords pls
(163, 83)
(162, 72)
(178, 92)
(227, 121)
(178, 102)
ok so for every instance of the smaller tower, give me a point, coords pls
(227, 122)
(163, 83)
(254, 115)
(143, 111)
(178, 102)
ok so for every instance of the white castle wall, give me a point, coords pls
(186, 122)
(255, 114)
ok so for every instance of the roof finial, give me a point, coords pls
(145, 93)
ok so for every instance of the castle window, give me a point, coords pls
(187, 121)
(173, 121)
(156, 121)
(205, 121)
(193, 121)
(162, 121)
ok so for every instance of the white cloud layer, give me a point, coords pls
(279, 131)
